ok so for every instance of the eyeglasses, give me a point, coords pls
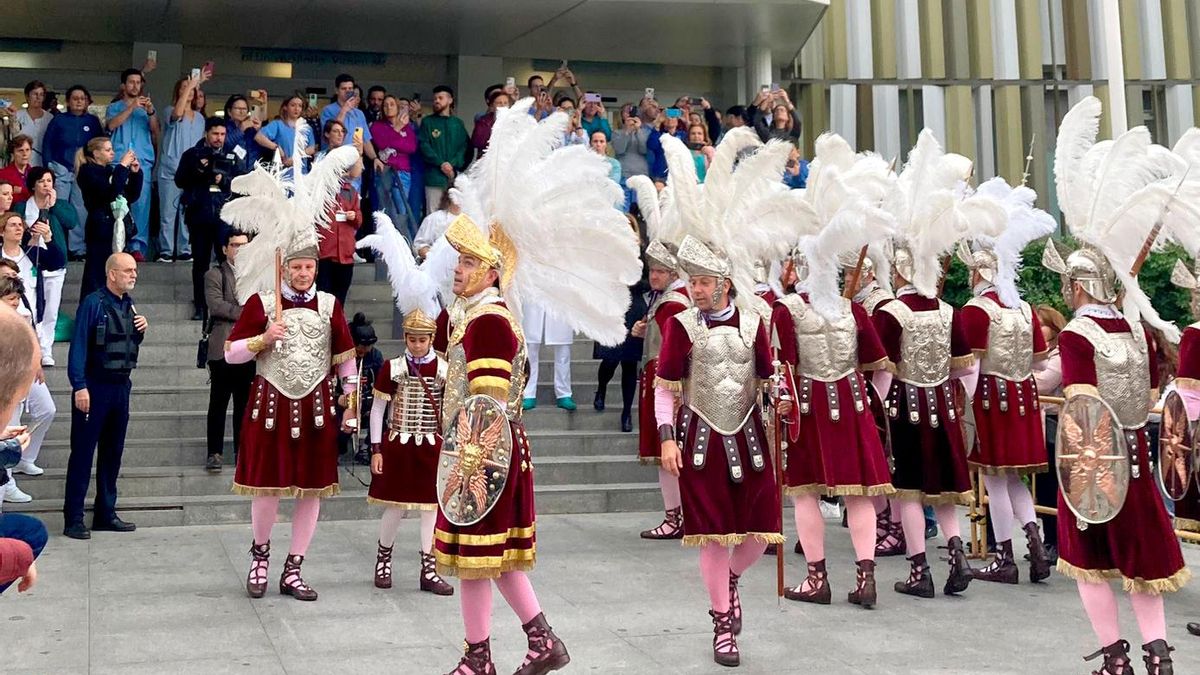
(239, 108)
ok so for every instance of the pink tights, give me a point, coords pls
(389, 524)
(670, 489)
(716, 562)
(912, 517)
(810, 526)
(1100, 603)
(1008, 497)
(265, 510)
(476, 598)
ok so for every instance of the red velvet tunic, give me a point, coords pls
(842, 457)
(271, 461)
(505, 539)
(649, 448)
(1138, 545)
(1011, 438)
(715, 508)
(930, 462)
(409, 477)
(1187, 510)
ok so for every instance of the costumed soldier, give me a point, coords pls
(925, 341)
(668, 297)
(1112, 523)
(829, 344)
(1187, 383)
(1006, 337)
(405, 419)
(714, 358)
(104, 349)
(529, 230)
(300, 340)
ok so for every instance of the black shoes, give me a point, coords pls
(77, 531)
(598, 402)
(626, 422)
(213, 465)
(114, 525)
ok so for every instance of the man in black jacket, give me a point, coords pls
(204, 174)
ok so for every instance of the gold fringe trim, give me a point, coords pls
(293, 491)
(1187, 383)
(881, 364)
(840, 490)
(485, 567)
(890, 366)
(957, 362)
(339, 359)
(1041, 356)
(484, 539)
(694, 540)
(410, 506)
(650, 461)
(957, 498)
(1073, 390)
(1012, 470)
(670, 385)
(1187, 524)
(1169, 584)
(380, 395)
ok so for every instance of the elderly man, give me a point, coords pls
(104, 350)
(22, 537)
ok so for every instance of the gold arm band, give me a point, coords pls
(256, 344)
(498, 393)
(957, 362)
(339, 359)
(1073, 390)
(380, 395)
(488, 382)
(1187, 383)
(493, 364)
(669, 385)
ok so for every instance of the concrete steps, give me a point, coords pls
(583, 463)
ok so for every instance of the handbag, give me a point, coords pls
(202, 347)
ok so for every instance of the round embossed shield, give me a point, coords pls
(475, 461)
(1176, 459)
(1091, 459)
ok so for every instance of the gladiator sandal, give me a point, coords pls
(430, 581)
(670, 528)
(1116, 659)
(920, 581)
(1039, 562)
(256, 580)
(889, 536)
(477, 659)
(291, 583)
(383, 567)
(1158, 658)
(1003, 569)
(725, 649)
(818, 591)
(735, 603)
(864, 595)
(960, 570)
(546, 651)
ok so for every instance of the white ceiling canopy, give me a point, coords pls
(706, 33)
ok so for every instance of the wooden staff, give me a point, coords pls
(278, 286)
(777, 432)
(855, 274)
(1158, 224)
(1028, 161)
(1059, 400)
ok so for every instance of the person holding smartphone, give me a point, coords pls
(668, 123)
(48, 220)
(133, 125)
(346, 110)
(185, 129)
(594, 118)
(775, 115)
(280, 135)
(241, 127)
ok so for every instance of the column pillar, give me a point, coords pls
(759, 70)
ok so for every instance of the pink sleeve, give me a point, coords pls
(378, 410)
(237, 352)
(882, 381)
(347, 372)
(664, 406)
(1048, 374)
(969, 377)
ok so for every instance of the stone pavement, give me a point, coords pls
(170, 600)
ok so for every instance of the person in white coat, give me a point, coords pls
(541, 328)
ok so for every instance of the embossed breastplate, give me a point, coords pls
(1122, 369)
(828, 351)
(1010, 340)
(457, 385)
(653, 343)
(874, 297)
(721, 386)
(297, 364)
(412, 415)
(924, 343)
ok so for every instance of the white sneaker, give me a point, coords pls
(359, 259)
(47, 360)
(830, 511)
(28, 468)
(13, 494)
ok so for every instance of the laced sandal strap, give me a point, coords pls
(291, 573)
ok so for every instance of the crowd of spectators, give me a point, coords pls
(80, 181)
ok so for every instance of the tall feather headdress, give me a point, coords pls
(557, 210)
(1114, 195)
(283, 210)
(412, 289)
(998, 255)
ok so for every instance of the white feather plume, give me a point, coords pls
(1076, 135)
(412, 286)
(1026, 223)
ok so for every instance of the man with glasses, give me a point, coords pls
(229, 380)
